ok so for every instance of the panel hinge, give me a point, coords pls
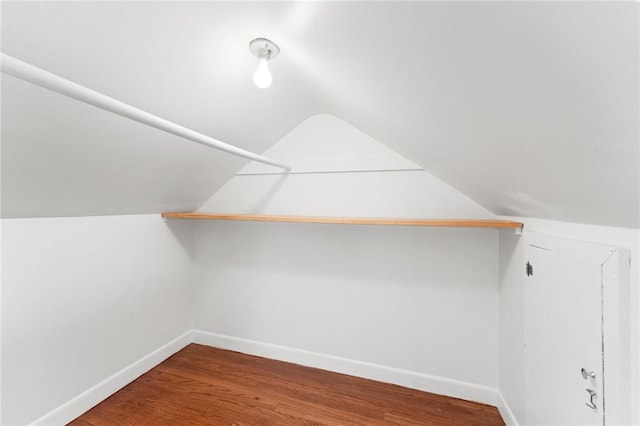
(529, 269)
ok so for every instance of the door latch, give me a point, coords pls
(586, 374)
(592, 396)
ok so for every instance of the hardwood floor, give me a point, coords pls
(206, 386)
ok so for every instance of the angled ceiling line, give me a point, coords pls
(326, 172)
(53, 82)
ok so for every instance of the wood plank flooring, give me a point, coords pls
(206, 386)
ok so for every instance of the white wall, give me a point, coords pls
(341, 171)
(404, 194)
(416, 299)
(423, 300)
(83, 298)
(511, 329)
(512, 260)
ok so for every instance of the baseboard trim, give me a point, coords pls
(410, 379)
(505, 411)
(98, 393)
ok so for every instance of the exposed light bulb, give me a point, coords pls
(265, 50)
(262, 77)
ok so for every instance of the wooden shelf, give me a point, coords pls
(459, 223)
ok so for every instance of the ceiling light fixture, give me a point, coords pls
(265, 50)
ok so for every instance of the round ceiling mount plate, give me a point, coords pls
(263, 45)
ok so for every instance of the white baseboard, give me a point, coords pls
(98, 393)
(505, 411)
(410, 379)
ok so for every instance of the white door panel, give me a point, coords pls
(563, 332)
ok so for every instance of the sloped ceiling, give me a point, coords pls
(529, 108)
